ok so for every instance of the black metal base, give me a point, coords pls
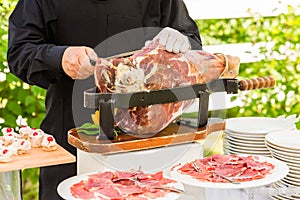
(107, 102)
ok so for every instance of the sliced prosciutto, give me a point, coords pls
(239, 168)
(154, 68)
(118, 186)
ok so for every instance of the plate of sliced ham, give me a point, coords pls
(215, 171)
(129, 185)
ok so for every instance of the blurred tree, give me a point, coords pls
(20, 103)
(281, 59)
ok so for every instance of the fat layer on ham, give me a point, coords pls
(154, 68)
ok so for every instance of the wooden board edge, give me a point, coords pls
(26, 161)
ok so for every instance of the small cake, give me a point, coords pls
(7, 130)
(25, 131)
(22, 146)
(6, 154)
(36, 138)
(9, 138)
(49, 143)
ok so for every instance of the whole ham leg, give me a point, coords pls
(154, 68)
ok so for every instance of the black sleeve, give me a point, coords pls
(30, 56)
(175, 15)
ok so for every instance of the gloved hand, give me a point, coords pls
(173, 40)
(78, 62)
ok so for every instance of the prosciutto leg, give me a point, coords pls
(154, 68)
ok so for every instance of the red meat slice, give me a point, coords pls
(154, 193)
(121, 174)
(229, 170)
(102, 186)
(109, 192)
(80, 192)
(126, 190)
(232, 166)
(249, 174)
(102, 175)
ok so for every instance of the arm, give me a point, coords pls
(31, 57)
(175, 15)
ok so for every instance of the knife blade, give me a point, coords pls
(121, 55)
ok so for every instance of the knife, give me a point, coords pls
(121, 55)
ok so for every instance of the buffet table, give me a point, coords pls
(153, 160)
(160, 158)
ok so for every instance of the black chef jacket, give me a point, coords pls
(40, 31)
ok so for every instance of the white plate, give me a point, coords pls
(244, 135)
(287, 139)
(63, 188)
(246, 138)
(245, 144)
(292, 179)
(286, 197)
(293, 175)
(278, 185)
(294, 172)
(280, 170)
(246, 151)
(295, 169)
(285, 154)
(290, 183)
(277, 198)
(242, 147)
(257, 125)
(273, 146)
(227, 151)
(285, 158)
(250, 151)
(287, 162)
(245, 141)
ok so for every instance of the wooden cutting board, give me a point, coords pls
(172, 135)
(36, 157)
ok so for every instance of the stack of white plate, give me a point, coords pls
(285, 146)
(246, 135)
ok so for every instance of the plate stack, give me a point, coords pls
(285, 146)
(246, 135)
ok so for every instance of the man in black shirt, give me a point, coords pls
(51, 42)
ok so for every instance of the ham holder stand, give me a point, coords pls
(106, 142)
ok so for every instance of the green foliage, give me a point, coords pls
(18, 100)
(30, 183)
(284, 32)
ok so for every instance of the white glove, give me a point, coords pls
(173, 40)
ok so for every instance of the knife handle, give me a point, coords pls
(93, 62)
(257, 83)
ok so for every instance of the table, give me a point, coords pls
(10, 173)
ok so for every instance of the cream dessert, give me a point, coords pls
(36, 138)
(49, 143)
(22, 146)
(25, 131)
